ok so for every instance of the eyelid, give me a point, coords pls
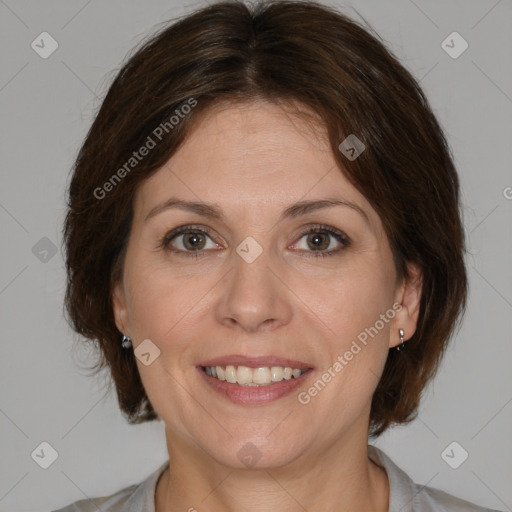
(186, 228)
(166, 240)
(316, 227)
(339, 235)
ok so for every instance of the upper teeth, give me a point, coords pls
(246, 376)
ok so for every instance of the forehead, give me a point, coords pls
(254, 155)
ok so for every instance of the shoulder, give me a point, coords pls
(133, 498)
(407, 496)
(113, 503)
(430, 499)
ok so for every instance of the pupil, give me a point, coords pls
(316, 239)
(193, 240)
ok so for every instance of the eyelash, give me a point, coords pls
(320, 228)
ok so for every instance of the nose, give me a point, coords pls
(254, 298)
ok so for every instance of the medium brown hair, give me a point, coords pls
(301, 53)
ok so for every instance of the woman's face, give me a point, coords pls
(261, 292)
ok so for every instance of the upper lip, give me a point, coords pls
(255, 361)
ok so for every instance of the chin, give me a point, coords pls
(256, 452)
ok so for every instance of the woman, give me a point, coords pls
(264, 238)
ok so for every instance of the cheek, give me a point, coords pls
(162, 302)
(350, 300)
(354, 354)
(163, 307)
(355, 345)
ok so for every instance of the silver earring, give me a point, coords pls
(401, 334)
(126, 342)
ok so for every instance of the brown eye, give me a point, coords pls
(188, 241)
(319, 238)
(194, 241)
(318, 241)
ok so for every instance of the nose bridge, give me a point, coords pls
(253, 295)
(251, 275)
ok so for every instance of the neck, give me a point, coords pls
(342, 478)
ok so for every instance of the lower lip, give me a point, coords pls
(253, 395)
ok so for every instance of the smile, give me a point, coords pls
(246, 376)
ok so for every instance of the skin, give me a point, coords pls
(253, 160)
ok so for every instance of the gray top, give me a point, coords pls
(404, 494)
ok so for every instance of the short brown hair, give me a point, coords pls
(285, 51)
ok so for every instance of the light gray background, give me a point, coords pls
(47, 106)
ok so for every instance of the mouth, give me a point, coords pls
(247, 376)
(252, 381)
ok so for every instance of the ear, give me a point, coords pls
(119, 307)
(408, 295)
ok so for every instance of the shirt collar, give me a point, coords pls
(402, 491)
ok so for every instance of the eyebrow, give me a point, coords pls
(293, 211)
